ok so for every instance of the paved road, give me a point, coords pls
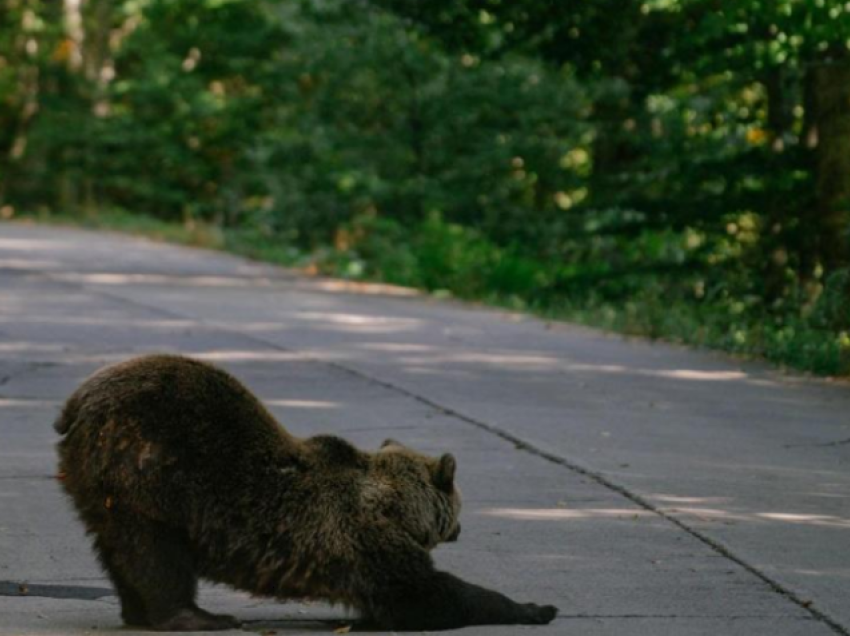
(642, 488)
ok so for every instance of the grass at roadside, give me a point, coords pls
(447, 259)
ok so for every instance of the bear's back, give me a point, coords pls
(196, 415)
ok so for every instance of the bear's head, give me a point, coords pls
(416, 493)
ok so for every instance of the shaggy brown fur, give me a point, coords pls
(179, 472)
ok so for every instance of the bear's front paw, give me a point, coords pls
(196, 620)
(534, 614)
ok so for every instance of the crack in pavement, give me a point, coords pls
(519, 443)
(29, 477)
(841, 442)
(707, 617)
(28, 367)
(43, 590)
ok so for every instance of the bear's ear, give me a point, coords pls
(390, 442)
(444, 473)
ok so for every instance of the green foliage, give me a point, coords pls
(387, 123)
(437, 256)
(197, 80)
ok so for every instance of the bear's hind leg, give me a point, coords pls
(153, 571)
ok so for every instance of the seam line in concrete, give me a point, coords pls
(16, 589)
(841, 442)
(707, 617)
(28, 477)
(519, 444)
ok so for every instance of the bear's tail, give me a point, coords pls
(68, 417)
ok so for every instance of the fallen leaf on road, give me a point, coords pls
(342, 630)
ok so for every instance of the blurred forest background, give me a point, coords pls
(671, 168)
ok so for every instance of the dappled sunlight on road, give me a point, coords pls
(396, 347)
(508, 359)
(16, 302)
(700, 513)
(251, 327)
(118, 321)
(673, 374)
(561, 514)
(28, 402)
(359, 323)
(421, 356)
(704, 376)
(348, 286)
(816, 520)
(357, 319)
(689, 500)
(122, 279)
(726, 516)
(30, 245)
(302, 404)
(236, 355)
(31, 347)
(721, 510)
(435, 371)
(831, 572)
(28, 264)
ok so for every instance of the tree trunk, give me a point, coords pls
(611, 110)
(830, 83)
(780, 116)
(20, 104)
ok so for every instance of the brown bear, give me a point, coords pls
(179, 472)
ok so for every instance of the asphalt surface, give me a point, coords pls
(642, 488)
